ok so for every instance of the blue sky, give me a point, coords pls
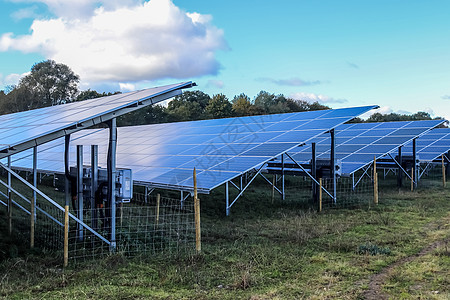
(342, 53)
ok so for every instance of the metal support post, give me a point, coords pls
(443, 172)
(182, 198)
(414, 174)
(146, 194)
(94, 185)
(314, 172)
(227, 199)
(80, 190)
(9, 198)
(353, 181)
(333, 163)
(447, 166)
(33, 201)
(283, 196)
(112, 178)
(400, 171)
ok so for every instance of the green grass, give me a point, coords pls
(265, 250)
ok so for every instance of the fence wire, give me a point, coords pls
(144, 225)
(349, 192)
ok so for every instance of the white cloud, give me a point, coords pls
(215, 83)
(11, 79)
(126, 87)
(118, 43)
(25, 13)
(311, 97)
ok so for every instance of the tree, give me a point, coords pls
(49, 83)
(148, 115)
(242, 106)
(188, 106)
(219, 107)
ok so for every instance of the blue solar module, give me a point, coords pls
(431, 145)
(32, 126)
(164, 155)
(357, 144)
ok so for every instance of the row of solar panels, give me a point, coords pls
(358, 144)
(164, 155)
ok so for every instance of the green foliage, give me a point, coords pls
(377, 117)
(218, 107)
(242, 106)
(188, 106)
(91, 94)
(48, 83)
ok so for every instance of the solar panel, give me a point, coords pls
(22, 130)
(357, 144)
(164, 155)
(431, 145)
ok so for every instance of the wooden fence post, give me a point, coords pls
(320, 194)
(443, 172)
(198, 243)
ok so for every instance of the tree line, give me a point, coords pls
(50, 83)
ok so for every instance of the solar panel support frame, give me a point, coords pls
(9, 170)
(228, 205)
(399, 175)
(87, 123)
(310, 176)
(332, 162)
(271, 184)
(111, 170)
(400, 167)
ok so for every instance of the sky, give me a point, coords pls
(392, 53)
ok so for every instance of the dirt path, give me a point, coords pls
(377, 280)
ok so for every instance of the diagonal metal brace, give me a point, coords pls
(401, 168)
(54, 203)
(265, 178)
(310, 176)
(246, 186)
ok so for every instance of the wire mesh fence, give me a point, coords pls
(349, 191)
(156, 225)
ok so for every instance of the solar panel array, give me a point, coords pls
(24, 126)
(357, 144)
(431, 145)
(164, 155)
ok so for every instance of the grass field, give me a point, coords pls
(268, 250)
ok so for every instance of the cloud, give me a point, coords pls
(124, 43)
(446, 97)
(294, 81)
(126, 87)
(352, 65)
(11, 79)
(311, 97)
(81, 9)
(25, 13)
(215, 83)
